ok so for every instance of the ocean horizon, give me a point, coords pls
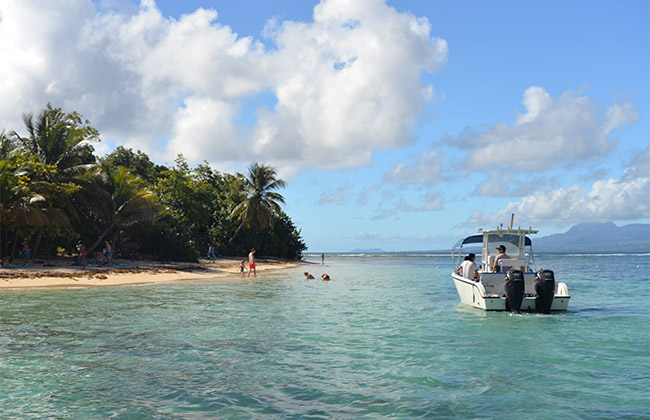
(386, 338)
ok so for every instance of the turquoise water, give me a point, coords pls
(386, 338)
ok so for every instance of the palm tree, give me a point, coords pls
(59, 139)
(261, 204)
(24, 204)
(119, 200)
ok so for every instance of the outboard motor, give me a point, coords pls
(514, 290)
(545, 289)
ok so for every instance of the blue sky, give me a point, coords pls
(400, 125)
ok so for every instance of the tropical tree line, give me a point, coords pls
(56, 193)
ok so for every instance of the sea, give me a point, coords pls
(386, 338)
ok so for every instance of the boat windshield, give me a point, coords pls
(514, 244)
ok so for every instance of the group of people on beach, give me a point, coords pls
(100, 257)
(251, 264)
(103, 257)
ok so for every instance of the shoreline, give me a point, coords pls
(60, 273)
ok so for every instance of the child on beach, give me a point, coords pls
(308, 276)
(241, 268)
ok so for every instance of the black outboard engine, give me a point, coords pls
(545, 289)
(514, 290)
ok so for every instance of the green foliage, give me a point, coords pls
(54, 192)
(259, 204)
(194, 200)
(59, 139)
(137, 163)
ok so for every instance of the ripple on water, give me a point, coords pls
(383, 339)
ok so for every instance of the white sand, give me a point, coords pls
(60, 273)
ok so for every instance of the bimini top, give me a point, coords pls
(478, 238)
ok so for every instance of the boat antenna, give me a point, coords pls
(512, 220)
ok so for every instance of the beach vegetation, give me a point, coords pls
(259, 204)
(54, 192)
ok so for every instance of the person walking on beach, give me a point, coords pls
(322, 258)
(242, 268)
(211, 255)
(251, 263)
(109, 253)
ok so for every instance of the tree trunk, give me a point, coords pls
(114, 242)
(236, 232)
(37, 244)
(91, 248)
(13, 250)
(7, 241)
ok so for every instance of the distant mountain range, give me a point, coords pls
(597, 237)
(368, 251)
(583, 238)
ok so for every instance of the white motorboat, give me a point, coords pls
(515, 284)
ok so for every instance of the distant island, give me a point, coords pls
(603, 237)
(598, 237)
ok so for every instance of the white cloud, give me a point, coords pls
(365, 235)
(509, 184)
(365, 194)
(614, 199)
(347, 83)
(551, 133)
(427, 170)
(388, 237)
(338, 196)
(431, 201)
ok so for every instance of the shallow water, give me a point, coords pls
(386, 338)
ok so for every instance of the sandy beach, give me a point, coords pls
(61, 272)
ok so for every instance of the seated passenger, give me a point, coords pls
(468, 268)
(496, 268)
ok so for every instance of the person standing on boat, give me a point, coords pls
(502, 256)
(468, 268)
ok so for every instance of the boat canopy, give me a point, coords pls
(478, 239)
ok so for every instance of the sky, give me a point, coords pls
(398, 125)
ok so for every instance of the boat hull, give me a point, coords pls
(474, 294)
